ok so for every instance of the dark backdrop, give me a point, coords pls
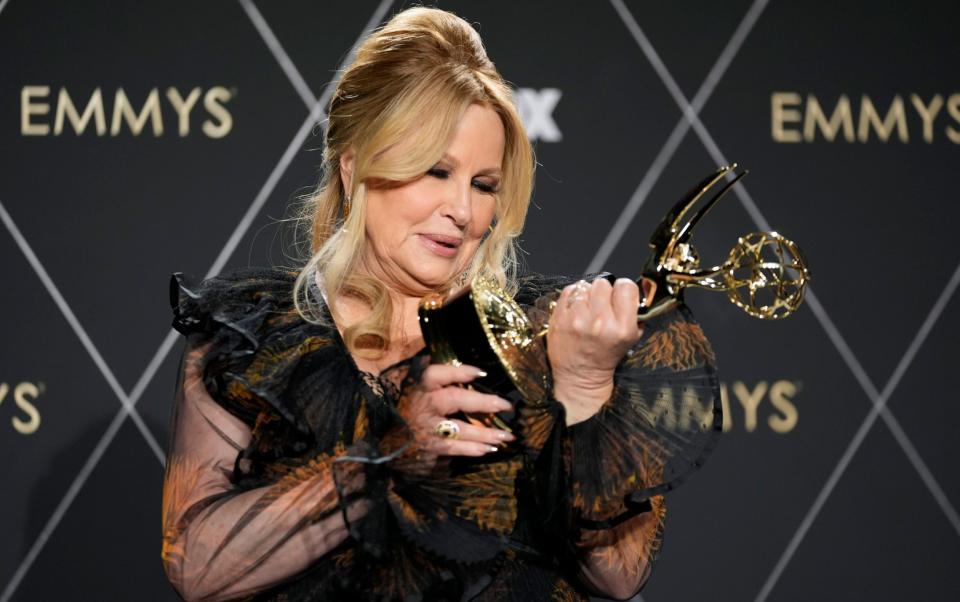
(834, 480)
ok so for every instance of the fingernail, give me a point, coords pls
(504, 405)
(481, 373)
(505, 436)
(494, 448)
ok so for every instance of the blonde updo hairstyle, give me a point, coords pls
(409, 85)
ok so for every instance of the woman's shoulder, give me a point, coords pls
(231, 297)
(257, 339)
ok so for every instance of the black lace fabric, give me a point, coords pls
(293, 475)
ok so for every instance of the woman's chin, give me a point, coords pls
(435, 283)
(434, 274)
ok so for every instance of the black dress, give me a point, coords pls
(291, 474)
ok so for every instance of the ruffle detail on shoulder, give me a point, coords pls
(256, 339)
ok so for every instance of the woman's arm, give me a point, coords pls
(618, 449)
(617, 562)
(219, 542)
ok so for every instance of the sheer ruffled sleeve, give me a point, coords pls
(221, 541)
(230, 529)
(660, 424)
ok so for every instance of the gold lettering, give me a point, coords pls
(122, 109)
(183, 108)
(815, 118)
(781, 393)
(94, 109)
(211, 101)
(953, 107)
(691, 409)
(927, 113)
(34, 102)
(28, 108)
(725, 405)
(869, 117)
(750, 400)
(20, 394)
(780, 115)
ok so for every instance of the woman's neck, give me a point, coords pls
(405, 335)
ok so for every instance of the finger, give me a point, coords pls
(601, 308)
(437, 376)
(578, 306)
(626, 301)
(562, 312)
(456, 447)
(560, 309)
(452, 399)
(481, 434)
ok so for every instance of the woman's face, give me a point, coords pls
(424, 233)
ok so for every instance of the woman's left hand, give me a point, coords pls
(590, 330)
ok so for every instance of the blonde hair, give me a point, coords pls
(411, 82)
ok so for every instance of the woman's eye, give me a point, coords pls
(484, 187)
(480, 185)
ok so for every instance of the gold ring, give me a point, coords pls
(447, 429)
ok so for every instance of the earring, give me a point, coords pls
(487, 233)
(346, 208)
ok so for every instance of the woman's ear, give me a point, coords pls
(346, 169)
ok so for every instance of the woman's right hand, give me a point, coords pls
(437, 396)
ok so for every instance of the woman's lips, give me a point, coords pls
(435, 242)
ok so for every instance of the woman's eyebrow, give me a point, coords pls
(489, 171)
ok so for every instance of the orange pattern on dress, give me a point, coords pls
(410, 572)
(564, 592)
(345, 558)
(621, 451)
(680, 346)
(409, 513)
(628, 547)
(488, 495)
(183, 474)
(360, 424)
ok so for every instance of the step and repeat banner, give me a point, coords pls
(143, 138)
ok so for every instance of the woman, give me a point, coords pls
(313, 454)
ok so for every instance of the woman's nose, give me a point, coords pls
(457, 205)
